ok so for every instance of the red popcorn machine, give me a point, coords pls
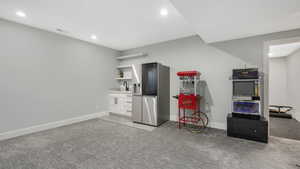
(189, 101)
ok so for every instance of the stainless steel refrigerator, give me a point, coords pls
(151, 94)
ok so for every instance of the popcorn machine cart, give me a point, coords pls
(189, 100)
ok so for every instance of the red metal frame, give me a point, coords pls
(189, 73)
(189, 102)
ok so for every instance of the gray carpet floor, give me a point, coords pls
(98, 144)
(126, 121)
(286, 128)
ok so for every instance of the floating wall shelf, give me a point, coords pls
(132, 56)
(125, 67)
(121, 78)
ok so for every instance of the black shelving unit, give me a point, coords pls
(247, 128)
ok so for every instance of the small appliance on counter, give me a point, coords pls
(151, 94)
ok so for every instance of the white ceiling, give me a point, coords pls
(219, 20)
(126, 24)
(283, 50)
(119, 24)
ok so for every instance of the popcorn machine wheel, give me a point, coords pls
(189, 101)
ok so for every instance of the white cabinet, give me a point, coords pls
(120, 104)
(114, 103)
(127, 104)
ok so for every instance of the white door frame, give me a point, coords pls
(265, 69)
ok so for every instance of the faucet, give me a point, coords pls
(125, 83)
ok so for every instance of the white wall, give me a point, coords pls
(293, 78)
(47, 77)
(278, 81)
(193, 54)
(215, 61)
(254, 50)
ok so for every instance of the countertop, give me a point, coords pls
(118, 91)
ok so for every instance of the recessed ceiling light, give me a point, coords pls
(94, 37)
(21, 14)
(164, 12)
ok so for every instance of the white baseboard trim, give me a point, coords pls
(215, 125)
(47, 126)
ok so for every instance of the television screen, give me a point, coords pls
(243, 88)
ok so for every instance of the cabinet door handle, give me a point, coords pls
(116, 100)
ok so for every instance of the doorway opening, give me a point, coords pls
(284, 88)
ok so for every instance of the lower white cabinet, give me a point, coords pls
(120, 104)
(114, 102)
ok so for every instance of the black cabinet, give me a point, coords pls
(252, 129)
